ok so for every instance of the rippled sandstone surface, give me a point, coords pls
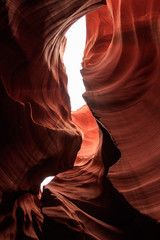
(105, 156)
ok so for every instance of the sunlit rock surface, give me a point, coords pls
(125, 94)
(105, 156)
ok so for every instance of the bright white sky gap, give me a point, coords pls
(76, 38)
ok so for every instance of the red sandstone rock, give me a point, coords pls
(41, 137)
(124, 95)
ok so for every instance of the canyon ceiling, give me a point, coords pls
(106, 155)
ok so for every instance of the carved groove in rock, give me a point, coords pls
(106, 168)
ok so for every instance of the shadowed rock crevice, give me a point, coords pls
(107, 182)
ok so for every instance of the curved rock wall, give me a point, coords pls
(110, 188)
(125, 97)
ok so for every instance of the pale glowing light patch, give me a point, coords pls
(46, 181)
(76, 37)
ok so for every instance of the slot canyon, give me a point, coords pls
(105, 156)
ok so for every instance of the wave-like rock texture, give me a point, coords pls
(125, 94)
(106, 167)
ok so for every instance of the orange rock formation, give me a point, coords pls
(105, 156)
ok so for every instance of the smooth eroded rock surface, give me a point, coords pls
(104, 156)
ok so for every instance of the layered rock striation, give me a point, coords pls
(104, 156)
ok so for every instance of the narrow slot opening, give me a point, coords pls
(76, 38)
